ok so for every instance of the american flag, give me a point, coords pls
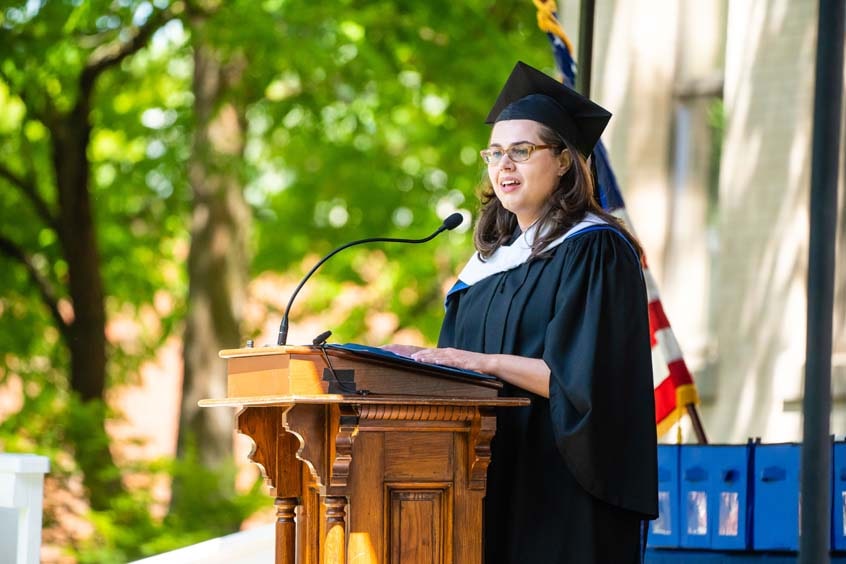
(674, 387)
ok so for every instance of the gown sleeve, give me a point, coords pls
(600, 391)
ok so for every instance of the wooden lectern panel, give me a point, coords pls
(418, 456)
(409, 488)
(382, 478)
(419, 522)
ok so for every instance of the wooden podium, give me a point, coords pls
(369, 460)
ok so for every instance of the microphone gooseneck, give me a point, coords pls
(449, 223)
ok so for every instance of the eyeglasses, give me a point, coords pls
(518, 152)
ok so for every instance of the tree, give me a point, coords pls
(218, 261)
(58, 98)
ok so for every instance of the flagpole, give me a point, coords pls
(586, 17)
(698, 428)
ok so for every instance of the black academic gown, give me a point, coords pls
(571, 477)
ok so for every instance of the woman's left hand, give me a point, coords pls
(531, 374)
(456, 358)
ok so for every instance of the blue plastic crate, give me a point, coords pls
(694, 494)
(838, 502)
(776, 497)
(664, 531)
(714, 496)
(732, 514)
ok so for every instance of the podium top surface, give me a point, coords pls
(370, 399)
(365, 352)
(265, 351)
(361, 375)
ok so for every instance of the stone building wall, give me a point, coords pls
(711, 142)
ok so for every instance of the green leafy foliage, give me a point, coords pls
(140, 113)
(364, 119)
(371, 125)
(127, 531)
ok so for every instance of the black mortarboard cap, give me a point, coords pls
(530, 94)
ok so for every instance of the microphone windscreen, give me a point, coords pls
(453, 220)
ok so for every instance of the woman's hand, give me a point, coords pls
(402, 350)
(531, 374)
(456, 358)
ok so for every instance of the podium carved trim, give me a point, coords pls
(310, 421)
(270, 445)
(302, 421)
(286, 529)
(416, 413)
(260, 425)
(334, 548)
(482, 431)
(344, 439)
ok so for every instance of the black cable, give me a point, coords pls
(320, 342)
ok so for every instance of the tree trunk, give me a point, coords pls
(217, 260)
(86, 331)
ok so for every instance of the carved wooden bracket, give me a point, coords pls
(482, 430)
(262, 425)
(307, 422)
(344, 438)
(274, 451)
(313, 426)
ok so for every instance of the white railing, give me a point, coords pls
(21, 501)
(255, 546)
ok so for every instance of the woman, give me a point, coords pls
(553, 303)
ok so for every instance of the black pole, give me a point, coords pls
(586, 13)
(816, 405)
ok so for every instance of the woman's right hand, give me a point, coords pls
(402, 350)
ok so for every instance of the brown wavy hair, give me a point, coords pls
(567, 205)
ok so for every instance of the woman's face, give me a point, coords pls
(524, 187)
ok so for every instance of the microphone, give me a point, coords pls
(449, 223)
